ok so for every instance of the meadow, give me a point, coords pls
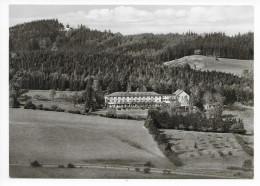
(200, 62)
(62, 138)
(208, 151)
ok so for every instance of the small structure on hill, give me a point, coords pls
(197, 52)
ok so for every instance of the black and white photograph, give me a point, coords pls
(131, 91)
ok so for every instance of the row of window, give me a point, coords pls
(132, 97)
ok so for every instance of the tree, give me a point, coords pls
(52, 93)
(13, 96)
(207, 97)
(89, 97)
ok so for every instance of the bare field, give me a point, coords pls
(52, 137)
(207, 151)
(233, 66)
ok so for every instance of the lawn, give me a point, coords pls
(209, 151)
(52, 137)
(233, 66)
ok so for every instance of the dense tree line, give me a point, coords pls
(195, 122)
(65, 60)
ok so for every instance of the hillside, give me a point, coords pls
(44, 56)
(204, 63)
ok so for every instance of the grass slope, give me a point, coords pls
(233, 66)
(52, 137)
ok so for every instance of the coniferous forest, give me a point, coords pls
(47, 55)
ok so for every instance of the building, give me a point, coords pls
(144, 99)
(133, 99)
(182, 97)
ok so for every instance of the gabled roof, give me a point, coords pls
(128, 94)
(177, 92)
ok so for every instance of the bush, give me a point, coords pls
(54, 107)
(61, 166)
(35, 164)
(70, 165)
(111, 113)
(137, 169)
(119, 109)
(46, 109)
(147, 170)
(149, 164)
(29, 105)
(13, 103)
(39, 107)
(74, 111)
(60, 110)
(247, 164)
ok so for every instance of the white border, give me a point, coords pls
(4, 71)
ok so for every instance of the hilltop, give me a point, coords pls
(204, 63)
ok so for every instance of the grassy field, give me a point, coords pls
(52, 137)
(58, 99)
(200, 150)
(247, 115)
(233, 66)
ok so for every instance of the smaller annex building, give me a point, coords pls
(144, 99)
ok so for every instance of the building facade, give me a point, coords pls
(143, 99)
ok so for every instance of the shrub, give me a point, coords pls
(149, 164)
(247, 164)
(29, 105)
(74, 111)
(230, 153)
(14, 103)
(60, 110)
(39, 107)
(46, 109)
(70, 165)
(147, 170)
(35, 164)
(119, 109)
(137, 169)
(54, 107)
(111, 113)
(61, 166)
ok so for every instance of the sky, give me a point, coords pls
(135, 19)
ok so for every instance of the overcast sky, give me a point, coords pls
(140, 19)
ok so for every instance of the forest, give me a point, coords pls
(46, 55)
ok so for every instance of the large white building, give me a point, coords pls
(144, 99)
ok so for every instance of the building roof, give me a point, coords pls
(177, 92)
(166, 95)
(128, 94)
